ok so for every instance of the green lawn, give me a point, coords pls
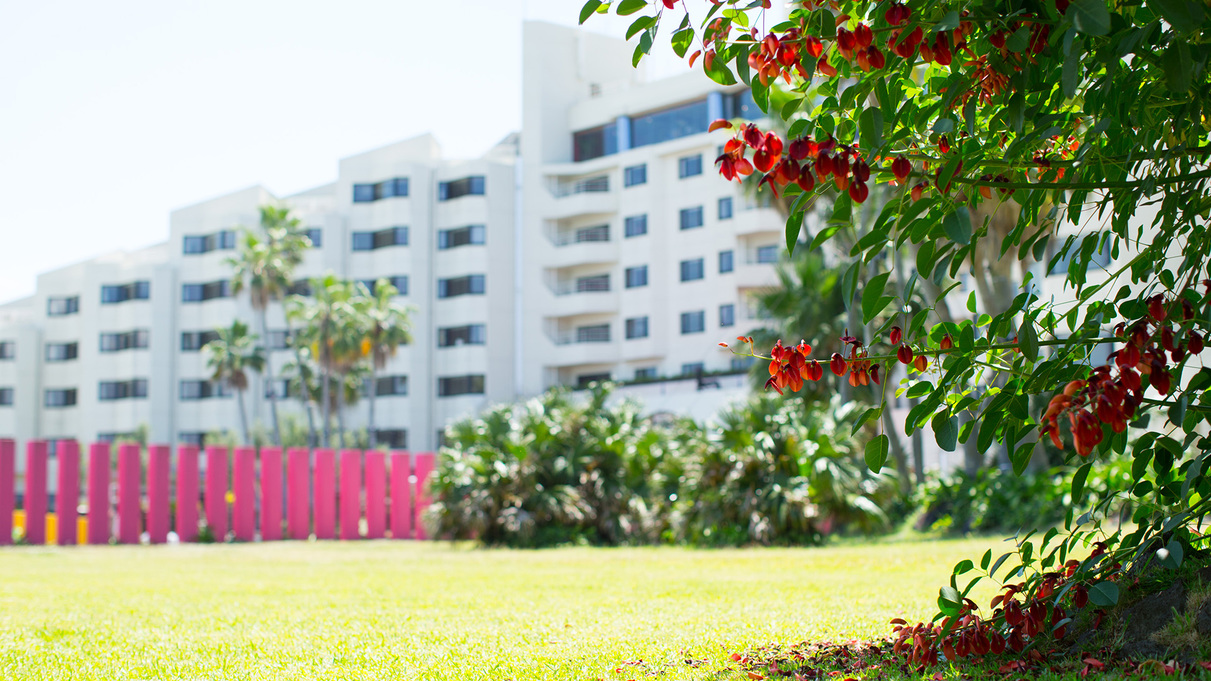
(432, 611)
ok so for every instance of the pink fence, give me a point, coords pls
(243, 495)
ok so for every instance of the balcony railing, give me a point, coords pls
(596, 234)
(600, 183)
(597, 284)
(585, 334)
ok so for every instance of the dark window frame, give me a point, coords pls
(472, 185)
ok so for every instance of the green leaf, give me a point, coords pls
(588, 9)
(1018, 40)
(794, 224)
(919, 389)
(1179, 70)
(870, 126)
(876, 453)
(1078, 482)
(1184, 16)
(630, 6)
(946, 431)
(873, 412)
(1103, 594)
(964, 565)
(997, 565)
(1028, 340)
(640, 24)
(944, 125)
(949, 600)
(948, 22)
(958, 225)
(849, 283)
(1072, 71)
(873, 298)
(682, 40)
(1174, 556)
(986, 559)
(644, 47)
(1090, 16)
(1021, 456)
(719, 72)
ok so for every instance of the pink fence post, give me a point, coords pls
(298, 497)
(68, 494)
(424, 470)
(325, 494)
(129, 481)
(98, 493)
(271, 493)
(243, 487)
(216, 491)
(187, 492)
(376, 494)
(35, 491)
(157, 493)
(401, 495)
(351, 493)
(8, 489)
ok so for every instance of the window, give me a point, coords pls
(390, 385)
(129, 340)
(589, 144)
(692, 270)
(741, 105)
(366, 193)
(60, 397)
(139, 290)
(302, 287)
(8, 350)
(585, 380)
(725, 208)
(726, 262)
(594, 284)
(192, 341)
(472, 284)
(192, 390)
(191, 437)
(693, 322)
(6, 397)
(468, 186)
(197, 293)
(635, 175)
(767, 254)
(395, 438)
(691, 217)
(277, 339)
(743, 363)
(636, 225)
(692, 368)
(369, 241)
(637, 276)
(455, 336)
(668, 124)
(596, 333)
(399, 281)
(637, 327)
(62, 352)
(450, 386)
(204, 243)
(463, 236)
(57, 307)
(645, 373)
(122, 390)
(689, 166)
(279, 387)
(315, 235)
(727, 315)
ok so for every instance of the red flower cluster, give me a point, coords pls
(973, 635)
(788, 367)
(779, 56)
(1113, 392)
(843, 163)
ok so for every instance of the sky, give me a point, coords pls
(114, 114)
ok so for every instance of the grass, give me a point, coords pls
(435, 611)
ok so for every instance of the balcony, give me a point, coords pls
(586, 295)
(755, 220)
(585, 246)
(756, 275)
(584, 345)
(581, 196)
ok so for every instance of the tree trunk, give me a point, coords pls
(897, 451)
(325, 376)
(273, 389)
(340, 412)
(373, 437)
(305, 392)
(239, 395)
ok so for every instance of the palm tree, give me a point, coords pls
(387, 327)
(265, 266)
(229, 358)
(330, 332)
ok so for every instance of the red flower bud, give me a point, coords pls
(904, 354)
(896, 335)
(837, 364)
(920, 363)
(901, 167)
